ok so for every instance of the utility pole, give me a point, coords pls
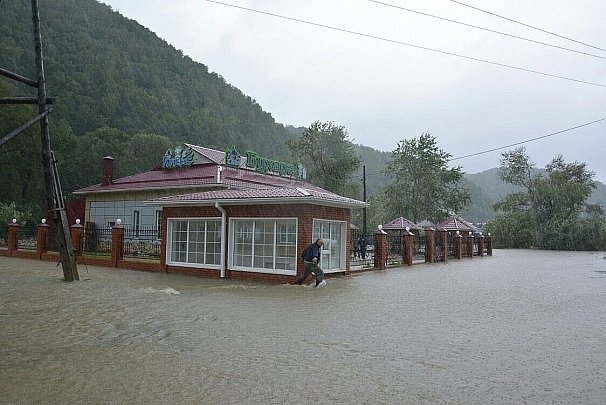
(54, 196)
(364, 229)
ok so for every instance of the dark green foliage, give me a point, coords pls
(20, 158)
(120, 91)
(423, 187)
(550, 211)
(329, 156)
(109, 71)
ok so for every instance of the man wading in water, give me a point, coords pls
(311, 257)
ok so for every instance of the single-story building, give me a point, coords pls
(225, 214)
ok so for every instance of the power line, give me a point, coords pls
(517, 143)
(410, 45)
(528, 25)
(529, 140)
(488, 29)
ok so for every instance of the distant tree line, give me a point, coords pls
(551, 210)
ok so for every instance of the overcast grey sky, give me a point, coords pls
(388, 74)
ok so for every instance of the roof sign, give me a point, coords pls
(178, 157)
(264, 165)
(232, 157)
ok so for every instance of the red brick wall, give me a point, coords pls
(304, 212)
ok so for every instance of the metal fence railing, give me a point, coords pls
(27, 237)
(97, 240)
(141, 249)
(363, 249)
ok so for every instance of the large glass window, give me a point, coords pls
(333, 251)
(268, 245)
(195, 241)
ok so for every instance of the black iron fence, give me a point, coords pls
(97, 240)
(362, 249)
(27, 237)
(137, 243)
(141, 249)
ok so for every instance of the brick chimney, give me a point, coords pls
(108, 170)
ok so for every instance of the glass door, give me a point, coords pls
(332, 255)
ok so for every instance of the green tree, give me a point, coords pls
(20, 158)
(551, 210)
(146, 152)
(422, 185)
(329, 156)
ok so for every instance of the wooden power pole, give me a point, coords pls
(54, 196)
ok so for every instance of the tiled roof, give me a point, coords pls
(400, 223)
(426, 224)
(267, 195)
(239, 184)
(211, 154)
(456, 224)
(198, 175)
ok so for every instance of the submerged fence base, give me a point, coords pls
(368, 252)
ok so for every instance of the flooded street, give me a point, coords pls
(520, 327)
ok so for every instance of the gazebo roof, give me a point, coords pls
(399, 224)
(456, 224)
(426, 224)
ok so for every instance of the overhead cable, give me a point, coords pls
(488, 29)
(529, 140)
(528, 25)
(410, 45)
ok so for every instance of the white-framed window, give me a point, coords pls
(264, 245)
(136, 223)
(194, 241)
(334, 234)
(159, 224)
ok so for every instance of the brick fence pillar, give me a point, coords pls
(13, 237)
(77, 230)
(429, 245)
(489, 245)
(380, 250)
(41, 239)
(443, 235)
(458, 245)
(117, 253)
(481, 245)
(470, 245)
(408, 247)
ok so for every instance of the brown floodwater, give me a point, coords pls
(520, 327)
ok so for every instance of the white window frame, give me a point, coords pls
(136, 223)
(287, 240)
(169, 242)
(326, 257)
(159, 224)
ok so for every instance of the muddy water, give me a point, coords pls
(521, 327)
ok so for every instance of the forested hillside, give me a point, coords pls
(109, 71)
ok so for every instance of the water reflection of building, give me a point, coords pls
(226, 214)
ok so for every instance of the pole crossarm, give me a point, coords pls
(25, 126)
(24, 100)
(19, 78)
